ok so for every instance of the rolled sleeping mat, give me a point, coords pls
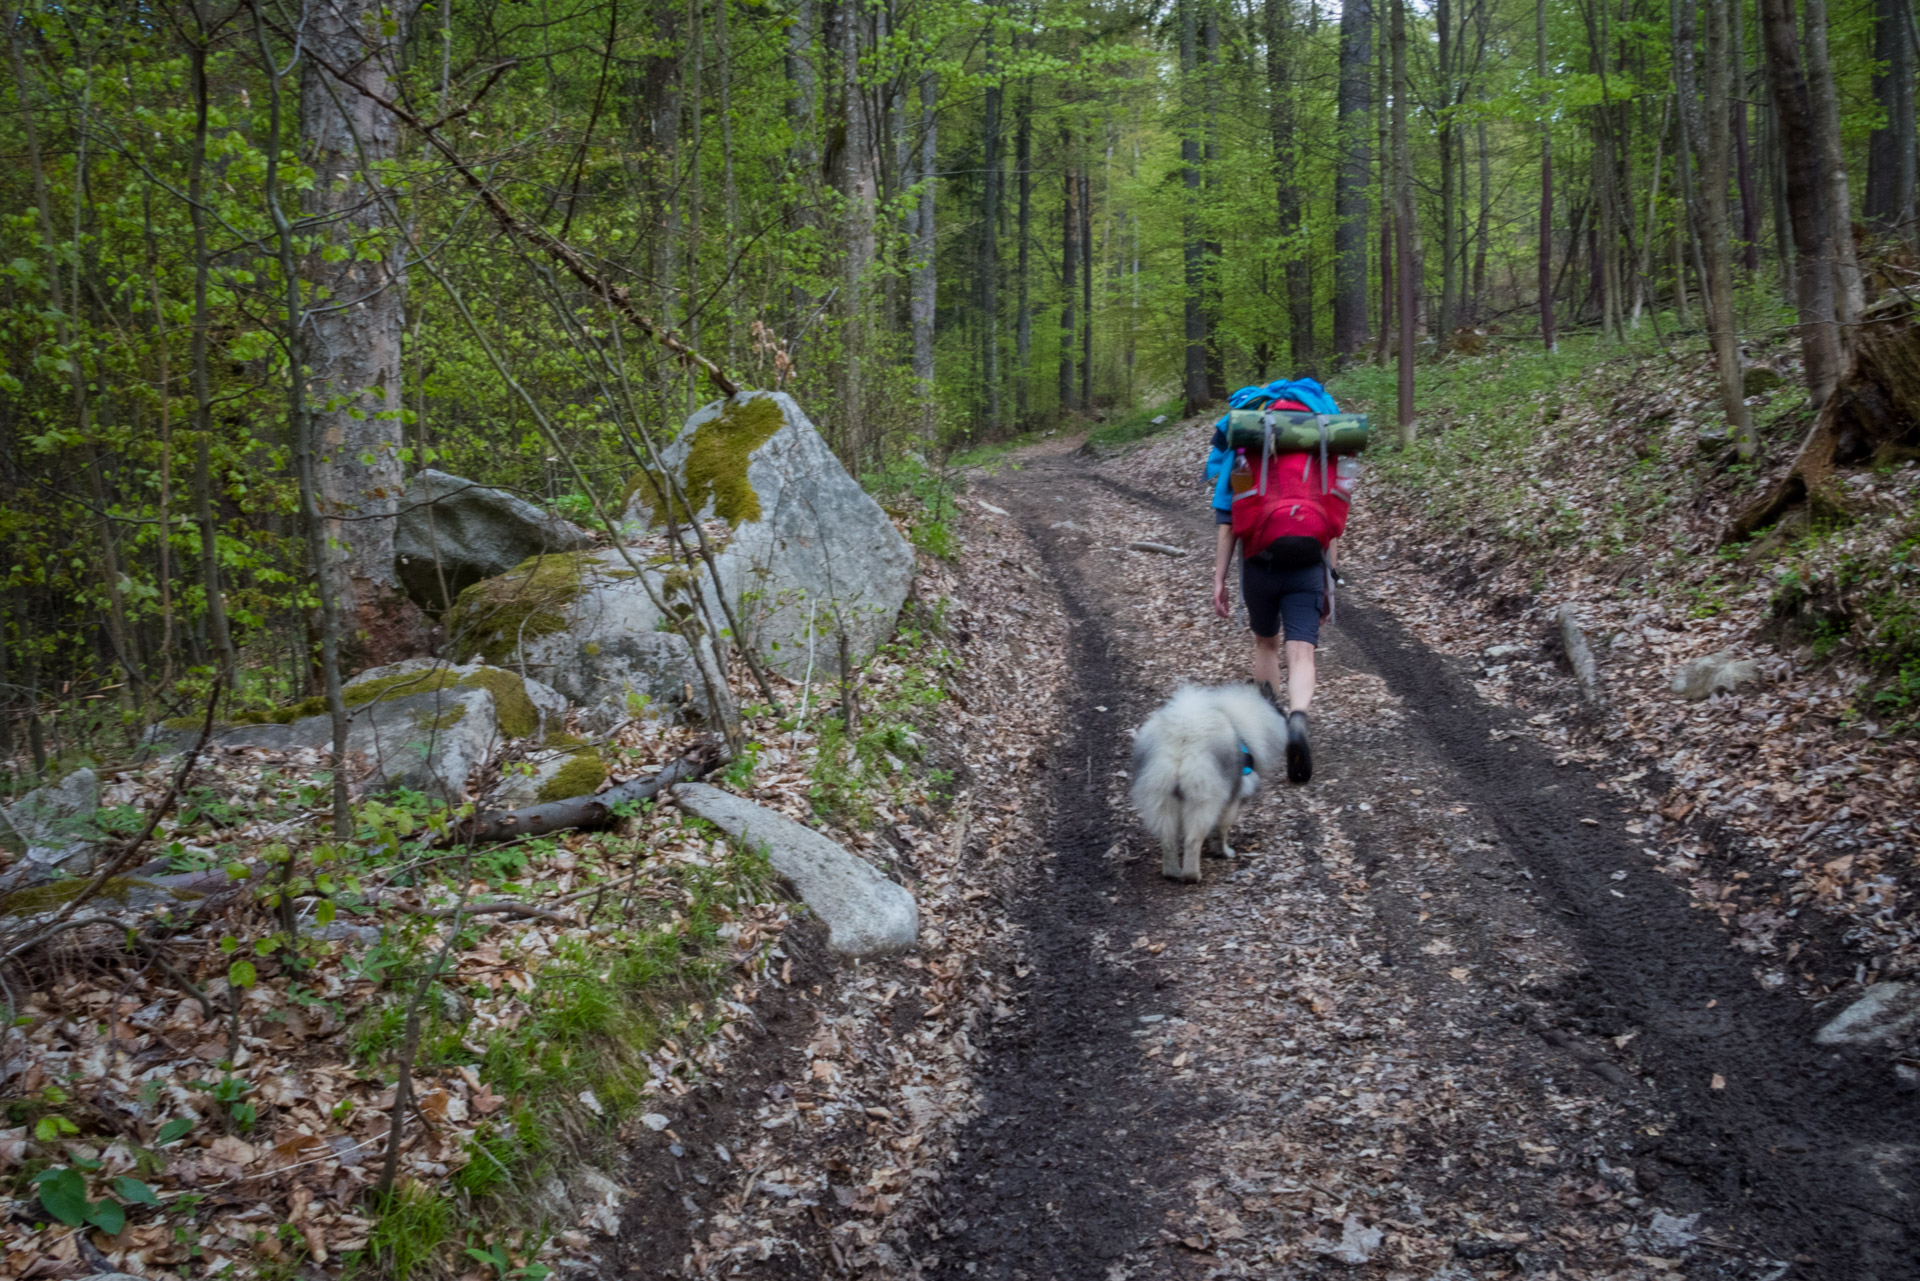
(1295, 432)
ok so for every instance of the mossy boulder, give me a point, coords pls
(524, 708)
(452, 533)
(51, 828)
(423, 724)
(116, 891)
(595, 627)
(495, 618)
(710, 459)
(563, 768)
(806, 541)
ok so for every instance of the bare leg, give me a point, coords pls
(1299, 674)
(1266, 662)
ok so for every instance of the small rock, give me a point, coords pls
(1504, 653)
(865, 913)
(1759, 379)
(655, 1121)
(1669, 1234)
(1888, 1012)
(1357, 1242)
(1711, 440)
(1157, 420)
(1715, 674)
(344, 932)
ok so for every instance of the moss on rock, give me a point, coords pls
(584, 771)
(518, 717)
(36, 899)
(491, 618)
(716, 466)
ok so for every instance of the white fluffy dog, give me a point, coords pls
(1196, 761)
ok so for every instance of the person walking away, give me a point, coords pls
(1286, 513)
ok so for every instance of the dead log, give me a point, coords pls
(1163, 548)
(584, 813)
(1872, 415)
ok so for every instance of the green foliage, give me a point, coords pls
(413, 1223)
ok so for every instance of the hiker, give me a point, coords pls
(1287, 513)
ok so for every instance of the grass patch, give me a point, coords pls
(1139, 424)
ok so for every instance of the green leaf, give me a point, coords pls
(323, 912)
(242, 974)
(173, 1131)
(63, 1194)
(109, 1216)
(134, 1190)
(49, 1128)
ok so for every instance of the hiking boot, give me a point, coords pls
(1273, 698)
(1299, 754)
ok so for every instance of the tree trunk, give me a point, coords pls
(990, 239)
(921, 304)
(1069, 266)
(1449, 167)
(1890, 150)
(217, 629)
(1742, 152)
(1715, 166)
(802, 158)
(1403, 223)
(1286, 165)
(1546, 179)
(1482, 226)
(1849, 295)
(1681, 17)
(1350, 197)
(1023, 319)
(1806, 200)
(353, 345)
(1086, 290)
(1193, 254)
(1388, 202)
(1210, 175)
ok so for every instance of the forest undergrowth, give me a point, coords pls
(204, 1061)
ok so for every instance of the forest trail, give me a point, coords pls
(1439, 1020)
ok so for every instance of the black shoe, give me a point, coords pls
(1299, 754)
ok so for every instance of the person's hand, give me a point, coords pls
(1220, 605)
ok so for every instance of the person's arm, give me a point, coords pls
(1222, 557)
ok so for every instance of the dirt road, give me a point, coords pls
(1441, 1019)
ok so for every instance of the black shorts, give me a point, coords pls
(1293, 597)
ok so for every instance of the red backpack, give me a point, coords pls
(1287, 508)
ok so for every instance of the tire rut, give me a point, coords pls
(1066, 1172)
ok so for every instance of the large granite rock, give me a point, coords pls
(865, 913)
(593, 627)
(806, 541)
(51, 828)
(419, 724)
(452, 533)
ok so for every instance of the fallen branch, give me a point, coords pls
(515, 910)
(586, 813)
(1163, 548)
